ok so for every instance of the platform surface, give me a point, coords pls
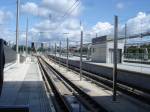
(133, 67)
(23, 85)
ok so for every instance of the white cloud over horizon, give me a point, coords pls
(138, 24)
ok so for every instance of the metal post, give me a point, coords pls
(17, 26)
(27, 38)
(81, 45)
(55, 51)
(125, 51)
(67, 53)
(115, 57)
(52, 51)
(2, 64)
(49, 47)
(59, 52)
(23, 49)
(96, 35)
(17, 29)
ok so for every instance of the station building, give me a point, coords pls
(103, 47)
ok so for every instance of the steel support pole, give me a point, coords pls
(59, 52)
(27, 38)
(17, 26)
(115, 57)
(52, 50)
(49, 47)
(17, 31)
(81, 45)
(125, 48)
(67, 54)
(55, 51)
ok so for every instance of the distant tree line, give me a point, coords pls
(22, 48)
(138, 52)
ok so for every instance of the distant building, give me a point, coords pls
(103, 47)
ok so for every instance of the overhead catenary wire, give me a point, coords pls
(69, 11)
(70, 8)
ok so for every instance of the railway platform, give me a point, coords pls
(131, 67)
(23, 85)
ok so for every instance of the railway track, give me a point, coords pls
(58, 99)
(87, 101)
(134, 92)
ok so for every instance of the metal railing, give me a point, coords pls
(137, 56)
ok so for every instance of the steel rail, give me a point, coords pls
(83, 97)
(105, 82)
(60, 103)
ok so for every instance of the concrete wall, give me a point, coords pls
(10, 55)
(99, 53)
(110, 45)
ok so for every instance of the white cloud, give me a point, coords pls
(5, 16)
(61, 6)
(55, 27)
(47, 30)
(54, 31)
(71, 24)
(30, 7)
(53, 24)
(102, 28)
(33, 9)
(138, 24)
(55, 8)
(120, 5)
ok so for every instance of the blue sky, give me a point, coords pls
(104, 10)
(91, 12)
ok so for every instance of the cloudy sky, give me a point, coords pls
(49, 19)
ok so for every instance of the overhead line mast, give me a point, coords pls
(17, 30)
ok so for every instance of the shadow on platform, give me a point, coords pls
(28, 93)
